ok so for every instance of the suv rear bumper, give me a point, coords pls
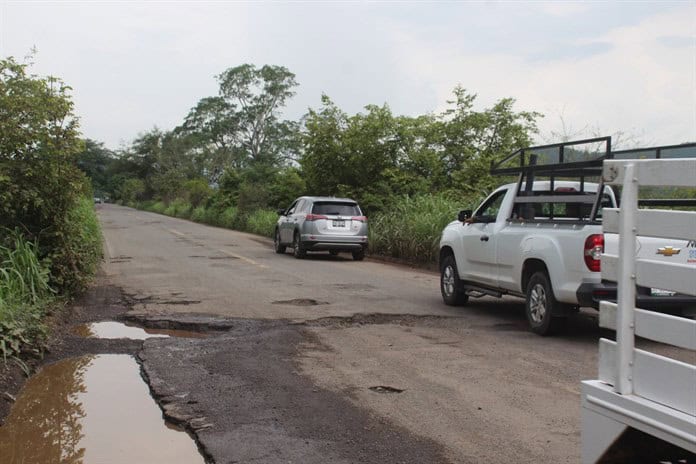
(590, 294)
(325, 243)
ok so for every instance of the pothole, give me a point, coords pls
(301, 302)
(117, 330)
(385, 389)
(357, 287)
(92, 409)
(508, 326)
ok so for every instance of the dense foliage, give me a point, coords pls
(40, 183)
(49, 235)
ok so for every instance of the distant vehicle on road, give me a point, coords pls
(322, 224)
(98, 200)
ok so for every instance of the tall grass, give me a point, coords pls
(411, 227)
(24, 294)
(262, 222)
(77, 260)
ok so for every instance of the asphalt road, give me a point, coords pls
(331, 360)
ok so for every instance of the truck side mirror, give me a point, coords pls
(464, 215)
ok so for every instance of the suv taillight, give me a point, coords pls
(594, 247)
(315, 217)
(359, 218)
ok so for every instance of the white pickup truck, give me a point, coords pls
(542, 240)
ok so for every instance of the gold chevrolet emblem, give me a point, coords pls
(668, 251)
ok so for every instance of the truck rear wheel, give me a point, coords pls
(450, 285)
(541, 306)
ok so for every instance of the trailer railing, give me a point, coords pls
(639, 390)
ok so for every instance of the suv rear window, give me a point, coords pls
(336, 209)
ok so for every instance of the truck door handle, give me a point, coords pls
(484, 238)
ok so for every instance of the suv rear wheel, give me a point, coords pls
(359, 255)
(297, 249)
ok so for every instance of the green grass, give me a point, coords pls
(262, 222)
(24, 295)
(411, 227)
(29, 273)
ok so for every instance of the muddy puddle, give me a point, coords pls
(110, 329)
(89, 410)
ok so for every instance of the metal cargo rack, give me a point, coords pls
(578, 161)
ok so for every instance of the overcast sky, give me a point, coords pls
(614, 66)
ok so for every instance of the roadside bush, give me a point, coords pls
(212, 215)
(198, 214)
(229, 218)
(197, 191)
(24, 293)
(158, 207)
(75, 261)
(262, 222)
(179, 208)
(410, 228)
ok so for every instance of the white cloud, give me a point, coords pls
(136, 65)
(638, 84)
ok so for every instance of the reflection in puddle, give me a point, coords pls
(93, 409)
(112, 329)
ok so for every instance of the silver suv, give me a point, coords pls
(322, 224)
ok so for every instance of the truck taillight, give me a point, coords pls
(594, 247)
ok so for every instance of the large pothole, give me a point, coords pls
(89, 410)
(117, 330)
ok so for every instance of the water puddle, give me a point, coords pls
(89, 410)
(110, 329)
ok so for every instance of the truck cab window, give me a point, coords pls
(488, 212)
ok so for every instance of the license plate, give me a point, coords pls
(660, 292)
(339, 223)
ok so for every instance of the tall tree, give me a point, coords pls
(258, 95)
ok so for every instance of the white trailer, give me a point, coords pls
(642, 407)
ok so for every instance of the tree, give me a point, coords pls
(132, 190)
(94, 160)
(257, 95)
(39, 143)
(369, 156)
(470, 140)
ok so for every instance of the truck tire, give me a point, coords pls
(297, 249)
(450, 285)
(541, 307)
(277, 246)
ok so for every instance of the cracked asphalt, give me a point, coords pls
(327, 360)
